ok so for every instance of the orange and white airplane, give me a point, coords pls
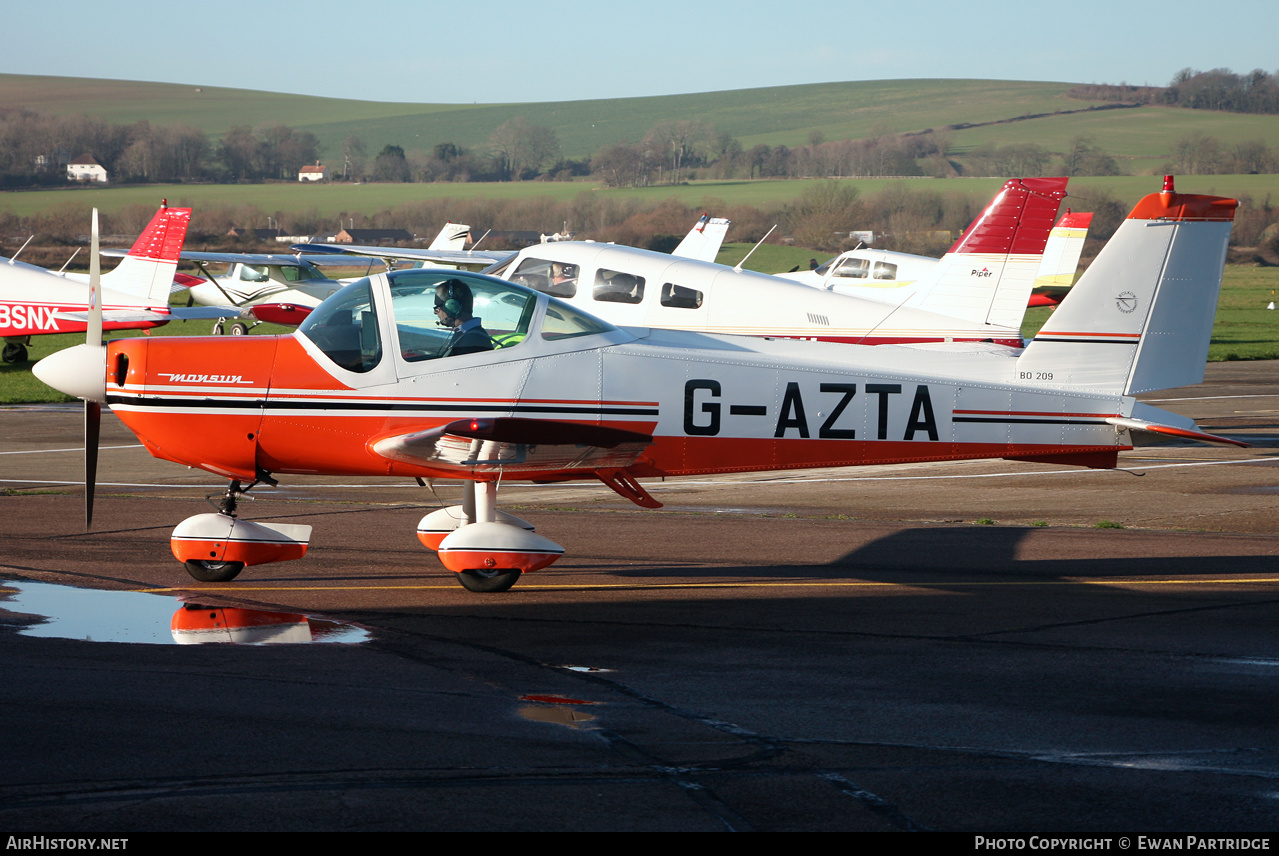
(135, 295)
(889, 276)
(447, 374)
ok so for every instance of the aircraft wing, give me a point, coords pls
(414, 254)
(273, 259)
(529, 447)
(175, 313)
(524, 444)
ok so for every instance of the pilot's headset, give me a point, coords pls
(456, 299)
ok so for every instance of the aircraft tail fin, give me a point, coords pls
(452, 237)
(149, 267)
(987, 276)
(704, 240)
(1140, 318)
(1061, 254)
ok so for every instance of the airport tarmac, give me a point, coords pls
(852, 649)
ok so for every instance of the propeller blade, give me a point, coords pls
(93, 332)
(93, 409)
(92, 429)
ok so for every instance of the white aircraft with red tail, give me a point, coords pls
(890, 276)
(135, 295)
(433, 374)
(977, 292)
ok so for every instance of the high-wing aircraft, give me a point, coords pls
(135, 295)
(447, 374)
(885, 275)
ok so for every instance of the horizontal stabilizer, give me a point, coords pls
(1171, 431)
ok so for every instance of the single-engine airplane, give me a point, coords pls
(447, 374)
(889, 276)
(135, 295)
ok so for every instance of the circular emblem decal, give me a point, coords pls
(1126, 302)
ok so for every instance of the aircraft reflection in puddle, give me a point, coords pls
(121, 616)
(559, 710)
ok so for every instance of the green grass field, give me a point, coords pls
(366, 200)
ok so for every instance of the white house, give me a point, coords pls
(86, 168)
(316, 172)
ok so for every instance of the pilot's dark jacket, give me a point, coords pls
(468, 338)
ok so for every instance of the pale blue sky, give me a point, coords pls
(500, 51)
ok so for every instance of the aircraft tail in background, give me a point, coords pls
(987, 276)
(148, 269)
(704, 240)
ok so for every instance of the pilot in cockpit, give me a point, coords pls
(453, 305)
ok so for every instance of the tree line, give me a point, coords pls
(1218, 89)
(35, 148)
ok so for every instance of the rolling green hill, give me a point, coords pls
(783, 115)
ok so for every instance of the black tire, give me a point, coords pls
(214, 572)
(238, 329)
(488, 581)
(217, 329)
(15, 352)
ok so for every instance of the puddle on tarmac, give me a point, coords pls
(560, 710)
(65, 612)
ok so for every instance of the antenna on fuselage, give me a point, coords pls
(68, 261)
(20, 249)
(738, 267)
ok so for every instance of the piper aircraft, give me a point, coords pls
(135, 295)
(885, 275)
(977, 292)
(376, 382)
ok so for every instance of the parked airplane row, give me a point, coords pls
(433, 373)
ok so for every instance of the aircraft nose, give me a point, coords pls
(80, 371)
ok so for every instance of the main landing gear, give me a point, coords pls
(216, 547)
(14, 352)
(489, 550)
(239, 328)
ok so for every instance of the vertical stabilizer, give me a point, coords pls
(1140, 318)
(1065, 246)
(704, 240)
(987, 276)
(452, 237)
(148, 270)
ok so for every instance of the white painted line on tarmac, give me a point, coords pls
(76, 449)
